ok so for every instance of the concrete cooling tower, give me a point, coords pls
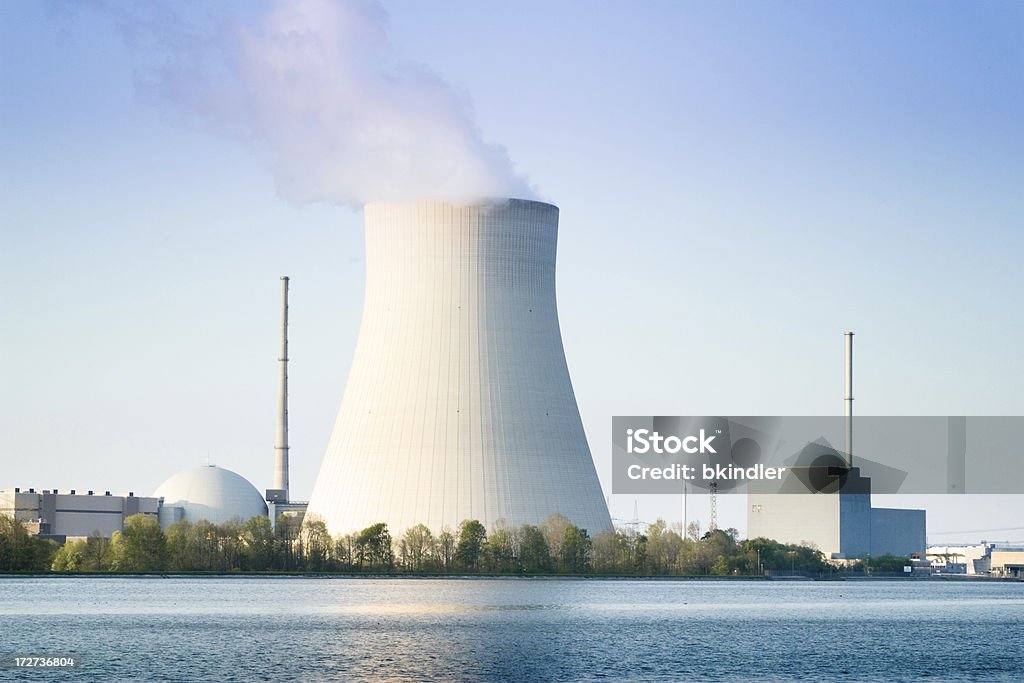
(459, 404)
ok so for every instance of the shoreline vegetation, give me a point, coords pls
(798, 578)
(555, 548)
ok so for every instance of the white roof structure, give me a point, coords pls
(212, 493)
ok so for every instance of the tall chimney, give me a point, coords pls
(848, 399)
(281, 447)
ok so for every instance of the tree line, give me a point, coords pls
(553, 547)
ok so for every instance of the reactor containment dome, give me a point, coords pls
(458, 403)
(211, 493)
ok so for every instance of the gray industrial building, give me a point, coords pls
(60, 516)
(842, 524)
(202, 493)
(837, 519)
(981, 559)
(205, 492)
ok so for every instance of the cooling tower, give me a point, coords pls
(458, 404)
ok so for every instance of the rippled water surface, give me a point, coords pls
(282, 629)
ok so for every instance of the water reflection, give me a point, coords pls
(513, 630)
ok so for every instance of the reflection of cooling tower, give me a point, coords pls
(459, 404)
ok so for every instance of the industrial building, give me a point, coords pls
(56, 515)
(842, 524)
(982, 559)
(208, 492)
(459, 403)
(1007, 562)
(838, 520)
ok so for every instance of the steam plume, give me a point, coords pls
(316, 86)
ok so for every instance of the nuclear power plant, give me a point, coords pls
(842, 523)
(205, 493)
(458, 404)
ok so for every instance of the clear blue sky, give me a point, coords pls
(739, 184)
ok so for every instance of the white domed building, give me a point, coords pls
(211, 493)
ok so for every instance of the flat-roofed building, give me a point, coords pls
(73, 514)
(1007, 563)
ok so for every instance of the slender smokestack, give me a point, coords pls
(849, 398)
(281, 448)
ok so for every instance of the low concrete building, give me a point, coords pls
(838, 521)
(73, 514)
(970, 560)
(1007, 563)
(981, 559)
(289, 509)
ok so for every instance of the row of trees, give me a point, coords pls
(21, 551)
(554, 547)
(201, 546)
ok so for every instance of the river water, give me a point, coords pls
(303, 629)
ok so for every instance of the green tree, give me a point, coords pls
(501, 549)
(607, 552)
(716, 550)
(775, 556)
(20, 550)
(70, 557)
(446, 548)
(344, 551)
(419, 547)
(575, 552)
(258, 544)
(194, 546)
(553, 529)
(469, 551)
(373, 547)
(663, 548)
(206, 540)
(720, 567)
(534, 556)
(638, 555)
(686, 561)
(230, 539)
(182, 550)
(811, 560)
(141, 546)
(287, 544)
(97, 556)
(317, 543)
(888, 564)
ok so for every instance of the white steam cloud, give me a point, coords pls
(318, 88)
